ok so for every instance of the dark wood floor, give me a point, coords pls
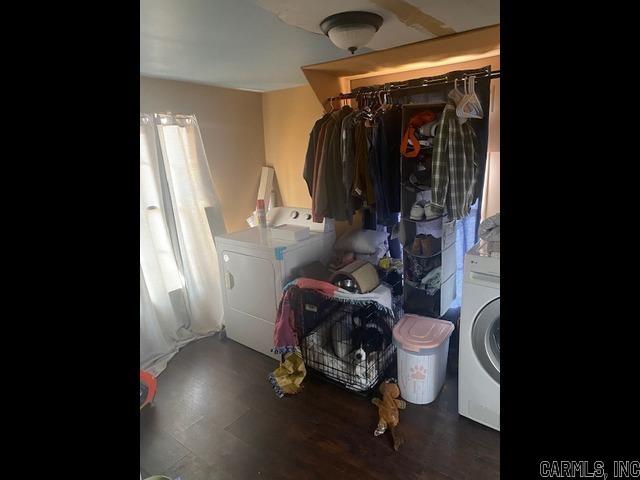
(216, 417)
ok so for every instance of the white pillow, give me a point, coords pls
(361, 241)
(373, 258)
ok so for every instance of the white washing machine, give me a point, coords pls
(255, 266)
(479, 351)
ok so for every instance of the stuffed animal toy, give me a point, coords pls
(388, 414)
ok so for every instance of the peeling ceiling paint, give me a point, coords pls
(261, 44)
(415, 18)
(308, 15)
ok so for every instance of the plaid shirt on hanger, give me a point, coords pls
(454, 166)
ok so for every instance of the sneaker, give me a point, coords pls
(417, 212)
(431, 211)
(421, 177)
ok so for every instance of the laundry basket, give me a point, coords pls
(423, 346)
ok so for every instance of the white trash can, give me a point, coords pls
(422, 347)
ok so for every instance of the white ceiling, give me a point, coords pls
(261, 44)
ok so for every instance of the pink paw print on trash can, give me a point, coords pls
(418, 372)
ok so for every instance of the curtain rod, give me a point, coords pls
(415, 83)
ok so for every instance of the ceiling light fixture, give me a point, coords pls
(351, 30)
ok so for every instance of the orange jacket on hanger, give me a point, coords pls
(415, 122)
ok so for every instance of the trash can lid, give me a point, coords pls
(416, 333)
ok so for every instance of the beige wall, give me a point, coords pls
(491, 200)
(232, 132)
(288, 117)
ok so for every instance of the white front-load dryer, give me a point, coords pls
(479, 352)
(255, 266)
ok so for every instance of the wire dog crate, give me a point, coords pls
(329, 350)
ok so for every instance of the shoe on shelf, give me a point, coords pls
(419, 180)
(430, 245)
(431, 211)
(417, 212)
(416, 248)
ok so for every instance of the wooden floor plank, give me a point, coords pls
(216, 417)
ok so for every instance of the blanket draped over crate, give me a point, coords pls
(287, 378)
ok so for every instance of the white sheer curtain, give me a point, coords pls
(180, 295)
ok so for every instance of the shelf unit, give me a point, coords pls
(435, 301)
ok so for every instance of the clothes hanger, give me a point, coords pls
(329, 110)
(333, 108)
(469, 106)
(366, 109)
(473, 107)
(455, 94)
(377, 102)
(363, 106)
(380, 102)
(385, 99)
(368, 103)
(370, 109)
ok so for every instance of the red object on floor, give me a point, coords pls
(148, 385)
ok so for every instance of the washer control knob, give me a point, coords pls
(307, 216)
(294, 214)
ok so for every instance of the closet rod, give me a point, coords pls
(413, 84)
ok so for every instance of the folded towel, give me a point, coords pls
(489, 229)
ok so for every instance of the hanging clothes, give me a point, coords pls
(330, 165)
(350, 164)
(362, 187)
(337, 208)
(353, 161)
(348, 155)
(454, 164)
(319, 190)
(314, 155)
(330, 196)
(384, 164)
(310, 158)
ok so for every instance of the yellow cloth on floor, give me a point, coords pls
(287, 378)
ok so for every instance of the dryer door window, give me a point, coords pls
(485, 338)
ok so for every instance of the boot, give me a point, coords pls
(430, 245)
